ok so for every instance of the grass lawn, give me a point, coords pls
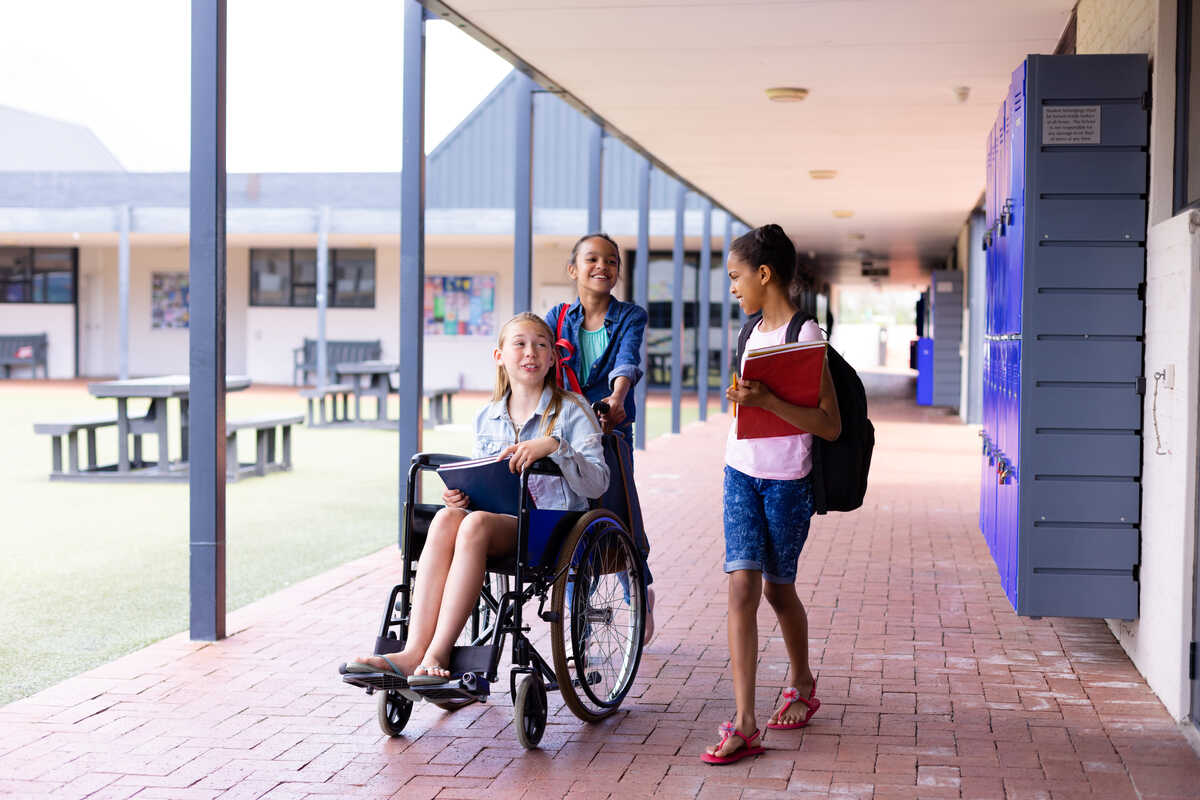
(92, 571)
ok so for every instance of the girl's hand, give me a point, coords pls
(750, 393)
(524, 454)
(616, 412)
(454, 498)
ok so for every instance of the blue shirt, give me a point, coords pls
(626, 326)
(592, 345)
(580, 453)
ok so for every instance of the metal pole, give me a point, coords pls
(412, 242)
(725, 303)
(595, 178)
(641, 293)
(704, 304)
(123, 291)
(322, 294)
(742, 315)
(523, 198)
(206, 333)
(677, 326)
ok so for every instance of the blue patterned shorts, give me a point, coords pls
(766, 524)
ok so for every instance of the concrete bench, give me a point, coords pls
(264, 445)
(71, 430)
(332, 391)
(440, 409)
(337, 351)
(25, 350)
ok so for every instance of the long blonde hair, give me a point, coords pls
(503, 387)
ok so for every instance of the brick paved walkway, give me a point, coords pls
(930, 685)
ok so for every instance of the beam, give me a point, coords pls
(523, 197)
(641, 292)
(123, 291)
(703, 307)
(322, 292)
(206, 331)
(412, 242)
(726, 300)
(677, 326)
(595, 179)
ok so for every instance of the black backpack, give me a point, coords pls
(840, 467)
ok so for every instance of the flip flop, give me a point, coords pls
(427, 679)
(363, 668)
(792, 695)
(747, 750)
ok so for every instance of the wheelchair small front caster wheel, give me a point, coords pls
(530, 710)
(394, 711)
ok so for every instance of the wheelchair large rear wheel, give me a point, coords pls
(599, 605)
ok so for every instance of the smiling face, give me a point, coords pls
(748, 284)
(525, 353)
(596, 267)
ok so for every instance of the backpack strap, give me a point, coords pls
(796, 323)
(793, 332)
(566, 375)
(743, 337)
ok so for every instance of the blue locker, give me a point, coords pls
(1060, 499)
(924, 371)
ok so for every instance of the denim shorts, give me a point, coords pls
(766, 524)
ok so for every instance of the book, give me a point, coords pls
(793, 373)
(488, 484)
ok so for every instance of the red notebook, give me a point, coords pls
(793, 373)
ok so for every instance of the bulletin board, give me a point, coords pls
(169, 300)
(460, 305)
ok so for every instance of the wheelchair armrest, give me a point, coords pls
(543, 466)
(435, 460)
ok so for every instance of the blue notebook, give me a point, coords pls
(488, 484)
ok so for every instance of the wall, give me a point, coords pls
(56, 320)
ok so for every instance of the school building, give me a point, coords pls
(883, 170)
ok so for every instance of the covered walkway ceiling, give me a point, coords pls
(686, 78)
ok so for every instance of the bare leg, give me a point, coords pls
(745, 592)
(793, 624)
(481, 535)
(436, 556)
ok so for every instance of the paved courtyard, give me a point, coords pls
(930, 685)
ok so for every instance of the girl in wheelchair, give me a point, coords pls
(529, 418)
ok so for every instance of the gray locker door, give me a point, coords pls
(1082, 335)
(946, 288)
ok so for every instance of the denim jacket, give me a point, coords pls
(580, 454)
(626, 324)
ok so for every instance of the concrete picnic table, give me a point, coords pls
(374, 378)
(157, 390)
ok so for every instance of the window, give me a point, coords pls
(281, 277)
(37, 274)
(1187, 106)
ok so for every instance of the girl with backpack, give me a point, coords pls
(599, 341)
(768, 500)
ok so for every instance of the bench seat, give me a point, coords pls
(332, 391)
(264, 445)
(57, 430)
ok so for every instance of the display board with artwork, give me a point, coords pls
(169, 300)
(460, 305)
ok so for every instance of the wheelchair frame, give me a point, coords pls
(474, 667)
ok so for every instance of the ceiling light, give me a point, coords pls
(822, 174)
(858, 237)
(786, 94)
(961, 93)
(843, 213)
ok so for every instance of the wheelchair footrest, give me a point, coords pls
(469, 687)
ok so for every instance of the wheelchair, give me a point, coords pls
(587, 573)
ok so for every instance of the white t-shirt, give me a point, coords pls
(782, 458)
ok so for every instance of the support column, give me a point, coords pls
(726, 300)
(677, 326)
(703, 307)
(123, 291)
(523, 197)
(641, 294)
(206, 331)
(595, 178)
(412, 242)
(322, 294)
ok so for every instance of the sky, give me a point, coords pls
(312, 85)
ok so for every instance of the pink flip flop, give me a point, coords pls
(749, 749)
(792, 695)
